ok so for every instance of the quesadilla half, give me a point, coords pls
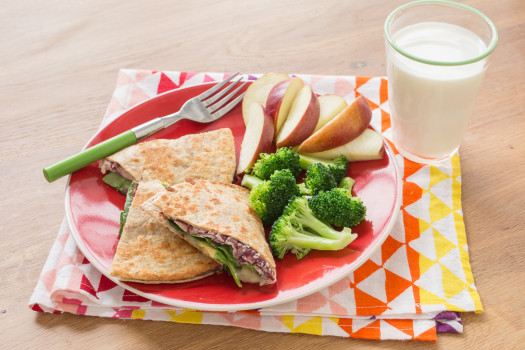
(149, 252)
(217, 219)
(209, 155)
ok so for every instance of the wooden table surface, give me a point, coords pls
(59, 62)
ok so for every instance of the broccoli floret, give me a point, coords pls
(338, 166)
(318, 178)
(268, 163)
(269, 197)
(338, 207)
(298, 231)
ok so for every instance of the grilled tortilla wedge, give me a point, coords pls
(217, 219)
(209, 155)
(149, 252)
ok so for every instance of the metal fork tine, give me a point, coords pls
(221, 93)
(228, 107)
(219, 104)
(211, 91)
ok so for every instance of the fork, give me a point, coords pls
(204, 108)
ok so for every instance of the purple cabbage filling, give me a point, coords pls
(243, 253)
(108, 166)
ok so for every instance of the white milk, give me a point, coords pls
(431, 104)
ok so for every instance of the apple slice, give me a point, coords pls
(330, 105)
(258, 91)
(345, 127)
(258, 137)
(280, 100)
(367, 146)
(302, 119)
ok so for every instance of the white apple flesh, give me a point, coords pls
(367, 146)
(301, 120)
(280, 100)
(258, 91)
(330, 105)
(258, 137)
(343, 128)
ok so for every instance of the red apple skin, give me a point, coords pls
(257, 132)
(258, 91)
(304, 126)
(280, 100)
(345, 127)
(367, 146)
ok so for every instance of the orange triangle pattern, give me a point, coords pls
(372, 104)
(405, 326)
(367, 305)
(360, 81)
(429, 335)
(346, 325)
(396, 285)
(389, 247)
(411, 168)
(385, 121)
(363, 271)
(371, 331)
(383, 91)
(411, 193)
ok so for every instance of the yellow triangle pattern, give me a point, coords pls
(436, 176)
(313, 326)
(334, 319)
(425, 264)
(443, 245)
(438, 209)
(428, 298)
(452, 284)
(138, 314)
(423, 225)
(288, 321)
(185, 316)
(456, 195)
(462, 242)
(432, 299)
(456, 168)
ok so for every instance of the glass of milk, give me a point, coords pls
(437, 55)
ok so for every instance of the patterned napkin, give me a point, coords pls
(415, 286)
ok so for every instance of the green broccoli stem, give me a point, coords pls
(250, 181)
(305, 161)
(304, 191)
(319, 243)
(347, 183)
(313, 224)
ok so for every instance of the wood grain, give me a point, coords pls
(59, 63)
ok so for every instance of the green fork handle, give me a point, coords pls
(90, 155)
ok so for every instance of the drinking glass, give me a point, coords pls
(437, 54)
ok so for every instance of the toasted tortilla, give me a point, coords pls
(149, 252)
(216, 208)
(209, 155)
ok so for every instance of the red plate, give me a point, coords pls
(93, 209)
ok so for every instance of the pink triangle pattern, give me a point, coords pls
(343, 87)
(137, 96)
(245, 321)
(311, 303)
